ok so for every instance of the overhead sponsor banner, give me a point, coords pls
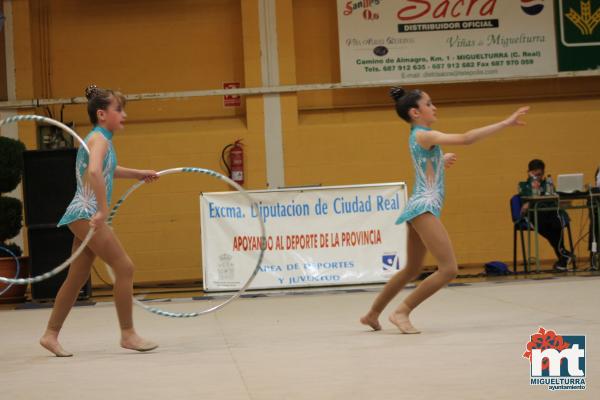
(417, 41)
(314, 237)
(578, 35)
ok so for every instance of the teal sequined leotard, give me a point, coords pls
(84, 204)
(428, 192)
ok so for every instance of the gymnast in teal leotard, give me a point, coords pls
(428, 190)
(422, 212)
(84, 204)
(95, 172)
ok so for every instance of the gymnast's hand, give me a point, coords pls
(449, 160)
(147, 175)
(514, 119)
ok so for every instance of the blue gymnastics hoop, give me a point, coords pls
(4, 249)
(76, 253)
(243, 192)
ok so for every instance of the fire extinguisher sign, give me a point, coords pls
(232, 100)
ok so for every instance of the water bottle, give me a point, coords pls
(549, 186)
(535, 187)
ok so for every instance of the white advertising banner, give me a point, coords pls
(417, 41)
(314, 236)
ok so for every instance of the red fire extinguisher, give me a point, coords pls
(235, 166)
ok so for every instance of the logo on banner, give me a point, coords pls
(380, 51)
(532, 7)
(390, 262)
(579, 22)
(365, 6)
(557, 361)
(225, 268)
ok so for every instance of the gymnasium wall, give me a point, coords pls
(331, 137)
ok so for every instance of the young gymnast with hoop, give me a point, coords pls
(425, 230)
(89, 208)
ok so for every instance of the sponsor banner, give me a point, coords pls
(416, 41)
(314, 236)
(578, 35)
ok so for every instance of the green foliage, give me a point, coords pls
(11, 210)
(11, 163)
(11, 218)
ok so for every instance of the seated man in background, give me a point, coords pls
(550, 223)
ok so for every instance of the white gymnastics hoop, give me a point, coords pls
(243, 192)
(76, 253)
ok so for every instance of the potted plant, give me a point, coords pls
(11, 219)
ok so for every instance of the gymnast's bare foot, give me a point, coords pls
(130, 340)
(50, 342)
(402, 321)
(371, 319)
